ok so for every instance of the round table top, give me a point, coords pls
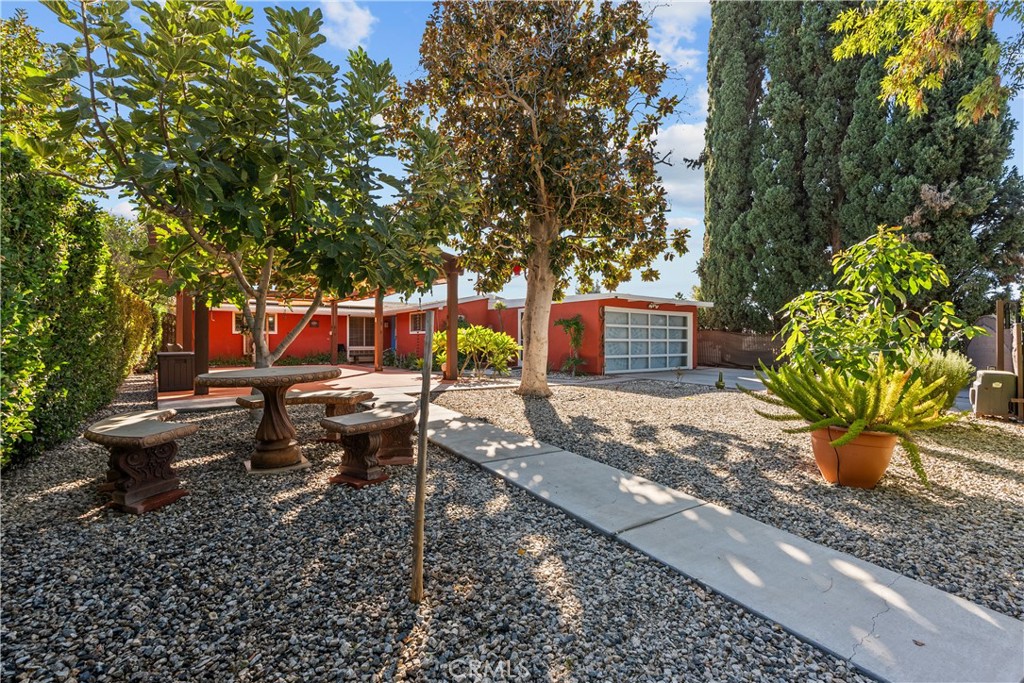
(269, 377)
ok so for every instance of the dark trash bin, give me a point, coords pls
(175, 370)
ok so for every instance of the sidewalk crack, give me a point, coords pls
(874, 622)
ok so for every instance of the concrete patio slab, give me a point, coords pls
(602, 497)
(888, 625)
(703, 376)
(480, 442)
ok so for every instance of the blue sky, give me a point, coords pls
(392, 30)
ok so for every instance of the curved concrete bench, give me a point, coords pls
(142, 449)
(382, 436)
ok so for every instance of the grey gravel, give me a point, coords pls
(289, 578)
(963, 536)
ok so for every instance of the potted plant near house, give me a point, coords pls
(855, 421)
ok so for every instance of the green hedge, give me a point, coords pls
(71, 331)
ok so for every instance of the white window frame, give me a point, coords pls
(423, 322)
(238, 325)
(688, 355)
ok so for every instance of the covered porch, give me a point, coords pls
(373, 331)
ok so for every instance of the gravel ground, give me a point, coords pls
(290, 578)
(962, 536)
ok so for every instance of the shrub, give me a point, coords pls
(871, 311)
(321, 358)
(574, 328)
(71, 330)
(481, 347)
(954, 370)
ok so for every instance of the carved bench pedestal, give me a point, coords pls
(370, 439)
(142, 479)
(142, 449)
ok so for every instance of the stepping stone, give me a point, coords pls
(889, 625)
(601, 497)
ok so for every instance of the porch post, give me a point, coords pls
(188, 328)
(378, 332)
(334, 332)
(451, 372)
(202, 343)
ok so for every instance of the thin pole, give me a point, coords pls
(1000, 334)
(420, 507)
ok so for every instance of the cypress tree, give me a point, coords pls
(821, 162)
(829, 113)
(788, 255)
(866, 162)
(735, 71)
(950, 176)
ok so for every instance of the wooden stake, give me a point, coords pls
(420, 506)
(1018, 345)
(1000, 334)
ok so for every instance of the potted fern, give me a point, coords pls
(855, 422)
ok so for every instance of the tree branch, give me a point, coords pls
(299, 326)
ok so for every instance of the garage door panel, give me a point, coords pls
(638, 341)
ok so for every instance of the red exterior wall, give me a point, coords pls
(405, 341)
(475, 313)
(310, 340)
(592, 350)
(225, 344)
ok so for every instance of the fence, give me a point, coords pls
(736, 349)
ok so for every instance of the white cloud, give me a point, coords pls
(675, 29)
(685, 186)
(700, 100)
(124, 209)
(346, 24)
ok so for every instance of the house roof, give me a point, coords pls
(365, 307)
(602, 296)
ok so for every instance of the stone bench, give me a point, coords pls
(361, 357)
(142, 449)
(370, 439)
(335, 401)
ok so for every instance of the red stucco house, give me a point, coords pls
(622, 332)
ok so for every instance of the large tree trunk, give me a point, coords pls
(540, 288)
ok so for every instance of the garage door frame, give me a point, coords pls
(637, 342)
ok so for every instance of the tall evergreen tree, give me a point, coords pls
(828, 167)
(789, 256)
(735, 71)
(866, 162)
(950, 174)
(829, 111)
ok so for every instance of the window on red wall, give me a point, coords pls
(417, 323)
(240, 325)
(360, 332)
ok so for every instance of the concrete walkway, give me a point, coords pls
(746, 378)
(885, 624)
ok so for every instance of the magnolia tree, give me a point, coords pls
(553, 108)
(256, 156)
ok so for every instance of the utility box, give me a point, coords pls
(175, 370)
(993, 393)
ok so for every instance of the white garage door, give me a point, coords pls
(635, 340)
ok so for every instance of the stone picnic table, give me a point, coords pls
(277, 449)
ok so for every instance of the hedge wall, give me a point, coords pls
(71, 331)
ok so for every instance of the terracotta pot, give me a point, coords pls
(860, 463)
